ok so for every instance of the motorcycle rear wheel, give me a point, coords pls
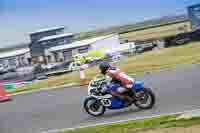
(146, 95)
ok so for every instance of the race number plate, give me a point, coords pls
(106, 102)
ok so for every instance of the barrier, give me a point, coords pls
(3, 95)
(8, 86)
(83, 80)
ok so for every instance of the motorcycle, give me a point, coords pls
(97, 102)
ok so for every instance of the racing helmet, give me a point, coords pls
(104, 66)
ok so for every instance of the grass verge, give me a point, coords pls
(149, 61)
(136, 126)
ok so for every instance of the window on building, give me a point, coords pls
(61, 42)
(56, 56)
(49, 58)
(44, 43)
(29, 61)
(58, 32)
(67, 55)
(83, 50)
(65, 41)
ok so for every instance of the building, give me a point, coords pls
(37, 35)
(194, 15)
(15, 58)
(47, 38)
(66, 52)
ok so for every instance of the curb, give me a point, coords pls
(195, 114)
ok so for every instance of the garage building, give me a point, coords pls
(65, 52)
(15, 58)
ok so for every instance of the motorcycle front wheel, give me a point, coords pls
(94, 107)
(145, 98)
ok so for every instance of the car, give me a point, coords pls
(2, 69)
(117, 57)
(39, 72)
(41, 76)
(74, 66)
(11, 68)
(49, 66)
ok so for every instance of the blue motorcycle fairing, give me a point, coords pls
(112, 87)
(116, 103)
(137, 85)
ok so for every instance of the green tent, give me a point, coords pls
(8, 86)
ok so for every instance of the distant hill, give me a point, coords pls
(131, 27)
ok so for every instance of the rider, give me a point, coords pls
(116, 75)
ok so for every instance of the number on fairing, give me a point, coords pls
(106, 102)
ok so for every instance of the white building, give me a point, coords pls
(65, 52)
(15, 58)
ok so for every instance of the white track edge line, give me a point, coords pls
(114, 122)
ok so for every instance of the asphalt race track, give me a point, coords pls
(176, 90)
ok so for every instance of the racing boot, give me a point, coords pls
(128, 101)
